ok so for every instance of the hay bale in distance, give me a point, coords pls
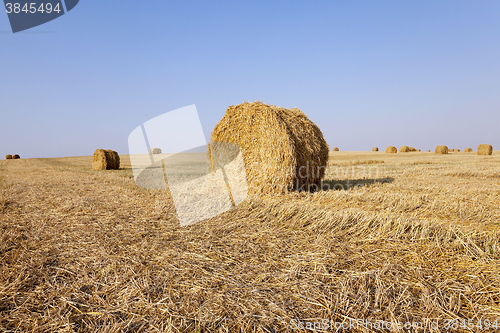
(457, 150)
(8, 157)
(375, 149)
(468, 150)
(418, 150)
(485, 149)
(441, 150)
(404, 149)
(412, 149)
(16, 157)
(335, 149)
(428, 150)
(282, 149)
(105, 160)
(155, 151)
(391, 150)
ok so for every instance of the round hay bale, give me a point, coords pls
(418, 150)
(335, 149)
(114, 160)
(428, 150)
(391, 150)
(105, 160)
(155, 151)
(375, 149)
(16, 157)
(8, 157)
(412, 149)
(457, 150)
(485, 149)
(441, 150)
(468, 150)
(404, 149)
(282, 149)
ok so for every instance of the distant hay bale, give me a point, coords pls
(484, 149)
(375, 149)
(391, 150)
(282, 149)
(404, 149)
(16, 157)
(418, 150)
(441, 150)
(468, 150)
(428, 150)
(8, 157)
(155, 151)
(105, 160)
(412, 149)
(457, 150)
(335, 149)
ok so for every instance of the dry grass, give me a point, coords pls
(484, 149)
(87, 251)
(282, 148)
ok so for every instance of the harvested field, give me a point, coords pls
(396, 237)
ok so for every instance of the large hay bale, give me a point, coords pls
(8, 157)
(114, 163)
(335, 149)
(282, 149)
(155, 151)
(484, 149)
(391, 150)
(441, 150)
(375, 149)
(468, 150)
(404, 149)
(16, 157)
(105, 160)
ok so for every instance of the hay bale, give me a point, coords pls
(375, 149)
(468, 150)
(105, 160)
(418, 150)
(441, 150)
(8, 157)
(428, 150)
(335, 149)
(282, 149)
(412, 149)
(457, 150)
(16, 157)
(484, 149)
(155, 151)
(391, 150)
(404, 149)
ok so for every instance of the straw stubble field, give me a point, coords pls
(89, 251)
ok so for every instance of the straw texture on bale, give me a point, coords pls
(155, 151)
(391, 150)
(16, 157)
(335, 149)
(484, 149)
(468, 150)
(282, 149)
(375, 149)
(441, 150)
(105, 160)
(404, 149)
(8, 157)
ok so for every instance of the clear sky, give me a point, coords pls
(368, 73)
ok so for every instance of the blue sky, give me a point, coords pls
(368, 73)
